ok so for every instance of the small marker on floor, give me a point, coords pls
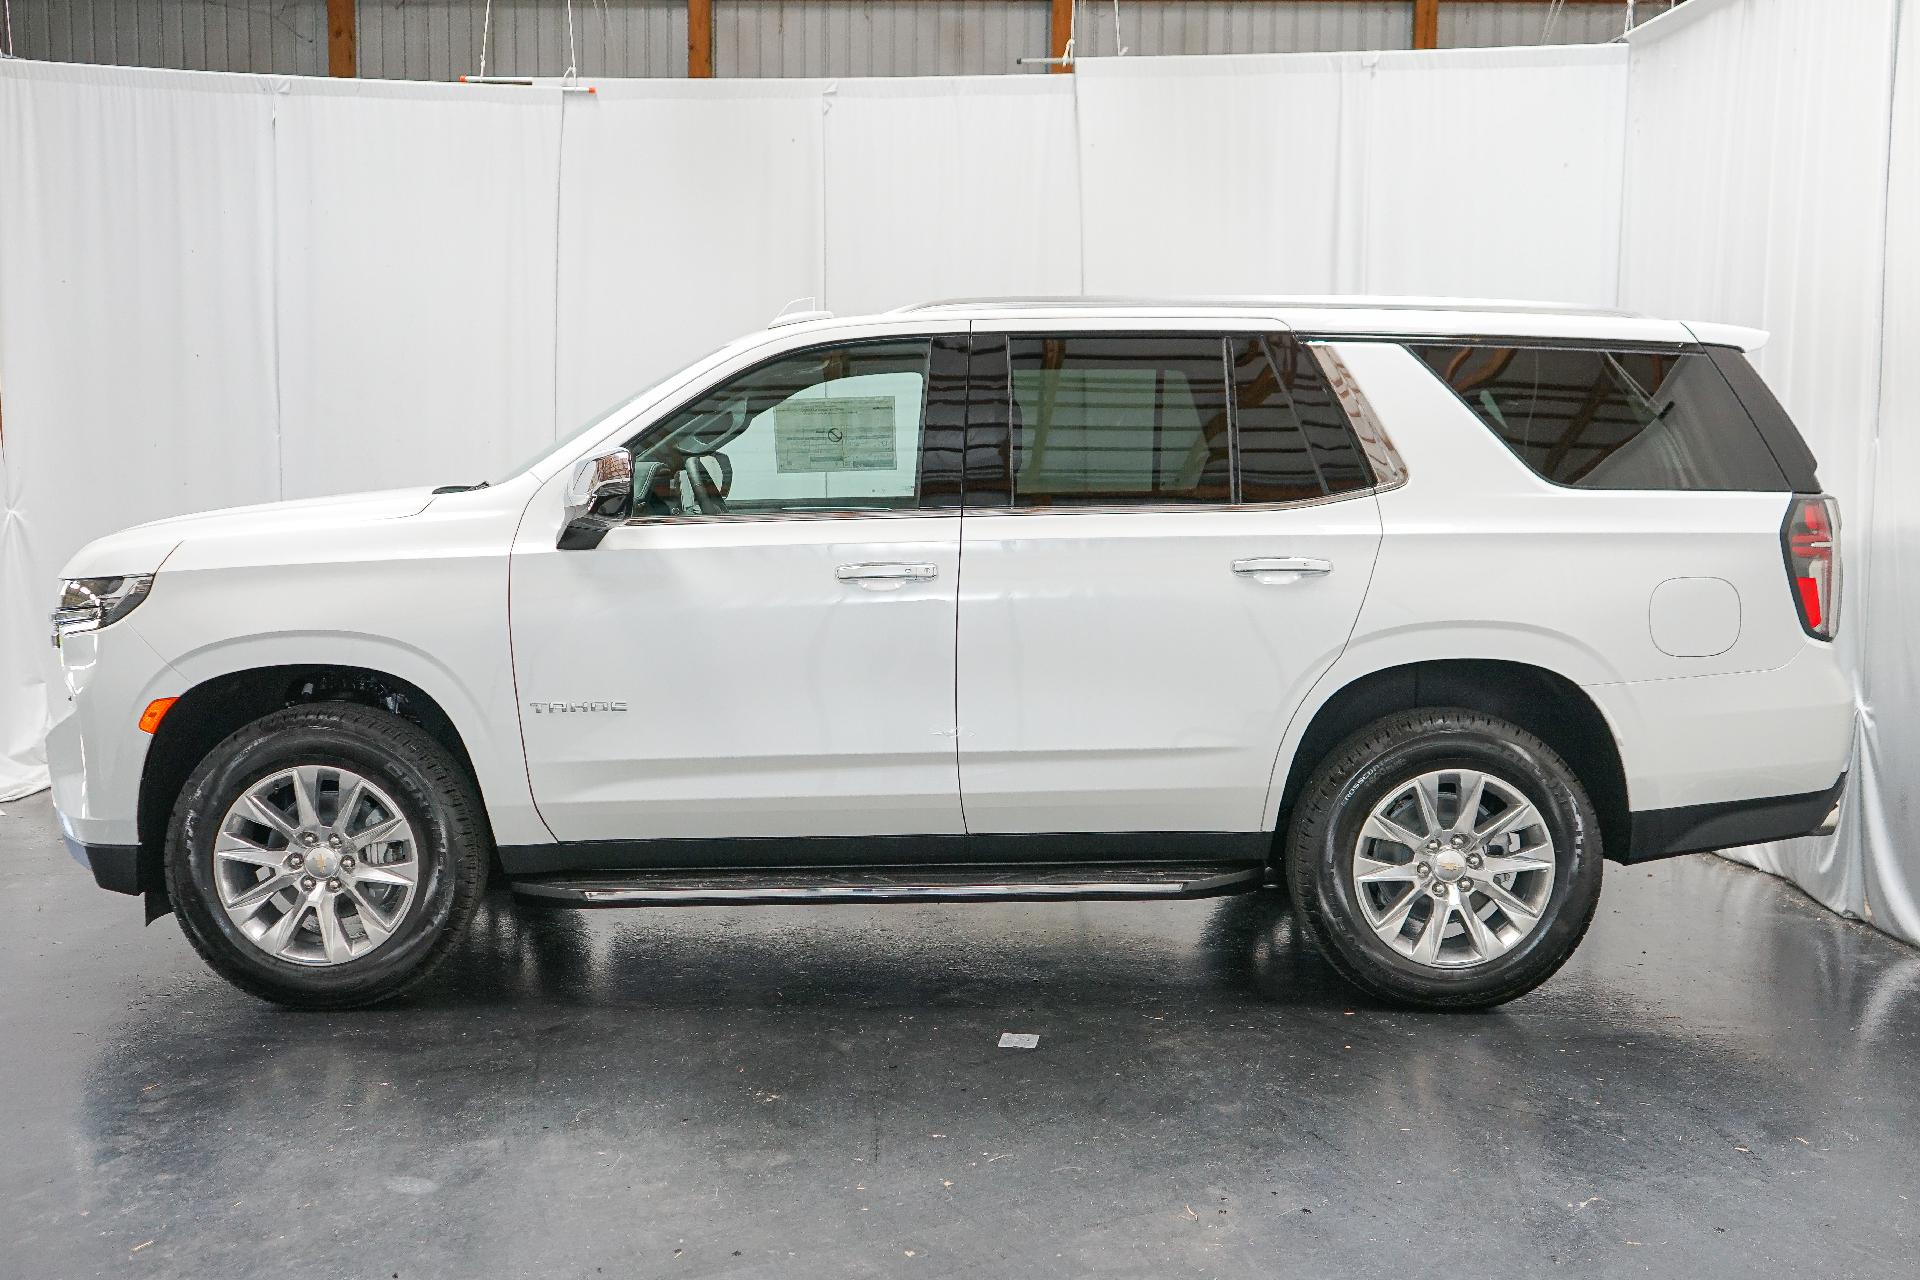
(1019, 1040)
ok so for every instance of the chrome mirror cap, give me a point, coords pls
(599, 496)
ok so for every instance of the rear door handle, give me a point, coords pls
(887, 573)
(1297, 566)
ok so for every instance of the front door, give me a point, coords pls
(766, 649)
(1168, 538)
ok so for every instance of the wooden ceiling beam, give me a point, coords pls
(343, 38)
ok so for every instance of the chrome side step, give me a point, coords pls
(891, 884)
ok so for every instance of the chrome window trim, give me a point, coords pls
(764, 517)
(1187, 508)
(1103, 509)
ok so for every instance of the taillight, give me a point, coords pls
(1811, 540)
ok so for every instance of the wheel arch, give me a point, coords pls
(1543, 702)
(216, 707)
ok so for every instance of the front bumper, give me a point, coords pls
(114, 866)
(96, 752)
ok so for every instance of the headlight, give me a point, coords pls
(87, 604)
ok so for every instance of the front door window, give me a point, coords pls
(835, 429)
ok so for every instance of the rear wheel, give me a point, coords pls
(1445, 858)
(326, 856)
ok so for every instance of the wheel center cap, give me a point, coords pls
(322, 861)
(1449, 866)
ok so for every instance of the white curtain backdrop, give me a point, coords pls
(137, 355)
(1485, 173)
(688, 214)
(1756, 192)
(1888, 800)
(224, 289)
(413, 231)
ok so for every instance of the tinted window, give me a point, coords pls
(1612, 419)
(1102, 419)
(833, 429)
(1294, 439)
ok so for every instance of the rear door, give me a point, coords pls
(1167, 540)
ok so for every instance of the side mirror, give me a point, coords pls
(599, 496)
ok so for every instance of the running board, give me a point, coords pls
(1140, 881)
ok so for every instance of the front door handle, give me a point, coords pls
(886, 575)
(1293, 566)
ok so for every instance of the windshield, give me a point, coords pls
(599, 417)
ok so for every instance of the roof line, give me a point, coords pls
(1351, 302)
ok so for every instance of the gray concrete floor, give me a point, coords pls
(1722, 1082)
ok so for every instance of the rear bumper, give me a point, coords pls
(1715, 742)
(1695, 828)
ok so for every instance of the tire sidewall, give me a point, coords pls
(1541, 778)
(259, 751)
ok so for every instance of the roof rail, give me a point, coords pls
(1327, 302)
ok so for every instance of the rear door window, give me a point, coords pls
(1154, 419)
(1099, 420)
(1612, 419)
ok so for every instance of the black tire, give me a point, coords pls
(438, 799)
(1361, 772)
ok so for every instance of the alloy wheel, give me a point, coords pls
(315, 865)
(1453, 868)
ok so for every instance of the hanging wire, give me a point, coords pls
(1553, 15)
(1120, 50)
(573, 63)
(486, 37)
(8, 6)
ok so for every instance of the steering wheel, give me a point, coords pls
(705, 481)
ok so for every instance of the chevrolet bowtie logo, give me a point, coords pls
(565, 708)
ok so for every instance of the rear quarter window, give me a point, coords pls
(1613, 418)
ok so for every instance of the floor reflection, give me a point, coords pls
(1723, 1072)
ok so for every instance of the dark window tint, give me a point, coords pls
(1102, 419)
(1613, 419)
(1294, 439)
(1783, 439)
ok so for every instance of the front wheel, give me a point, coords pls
(1444, 858)
(326, 856)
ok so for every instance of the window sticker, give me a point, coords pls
(845, 433)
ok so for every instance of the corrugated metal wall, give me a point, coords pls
(1474, 26)
(440, 39)
(1233, 26)
(199, 35)
(876, 37)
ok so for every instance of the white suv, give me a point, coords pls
(1419, 608)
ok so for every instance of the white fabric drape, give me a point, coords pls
(1886, 839)
(984, 168)
(688, 214)
(1756, 193)
(1484, 173)
(136, 331)
(222, 289)
(414, 231)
